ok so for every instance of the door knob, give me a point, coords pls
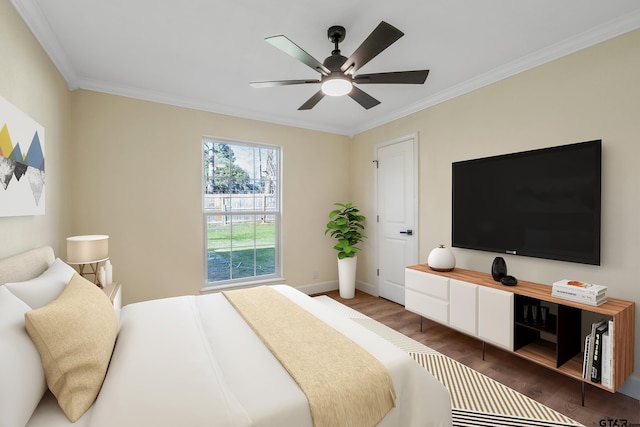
(408, 232)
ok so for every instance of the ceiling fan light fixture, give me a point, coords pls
(338, 73)
(336, 86)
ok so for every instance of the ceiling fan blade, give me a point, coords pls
(405, 77)
(282, 83)
(381, 38)
(292, 49)
(363, 98)
(311, 102)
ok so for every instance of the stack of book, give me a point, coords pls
(598, 354)
(582, 292)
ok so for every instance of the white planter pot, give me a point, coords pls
(347, 277)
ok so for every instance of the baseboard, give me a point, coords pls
(631, 387)
(317, 288)
(367, 287)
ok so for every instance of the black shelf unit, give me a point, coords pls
(565, 326)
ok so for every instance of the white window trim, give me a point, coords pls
(277, 277)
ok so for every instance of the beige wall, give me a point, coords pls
(29, 81)
(138, 170)
(593, 94)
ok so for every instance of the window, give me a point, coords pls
(241, 210)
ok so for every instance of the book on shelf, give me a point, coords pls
(610, 356)
(583, 299)
(588, 359)
(607, 359)
(585, 360)
(577, 287)
(596, 366)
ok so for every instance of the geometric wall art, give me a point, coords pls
(22, 189)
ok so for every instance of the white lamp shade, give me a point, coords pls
(87, 249)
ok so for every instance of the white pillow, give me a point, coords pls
(43, 289)
(23, 382)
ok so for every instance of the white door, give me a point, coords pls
(397, 231)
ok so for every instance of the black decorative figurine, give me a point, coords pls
(498, 268)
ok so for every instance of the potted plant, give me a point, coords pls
(346, 225)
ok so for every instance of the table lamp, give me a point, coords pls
(88, 250)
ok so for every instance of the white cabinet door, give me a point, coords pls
(495, 317)
(463, 306)
(427, 295)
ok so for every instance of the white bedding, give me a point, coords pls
(193, 361)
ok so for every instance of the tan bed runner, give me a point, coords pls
(344, 384)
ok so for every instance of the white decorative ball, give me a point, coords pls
(441, 259)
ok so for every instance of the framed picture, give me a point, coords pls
(22, 176)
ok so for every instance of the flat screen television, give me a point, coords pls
(542, 203)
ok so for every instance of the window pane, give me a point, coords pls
(240, 187)
(218, 238)
(240, 246)
(265, 245)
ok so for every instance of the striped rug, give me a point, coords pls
(477, 400)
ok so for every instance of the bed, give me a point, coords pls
(187, 361)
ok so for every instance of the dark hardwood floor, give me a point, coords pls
(541, 384)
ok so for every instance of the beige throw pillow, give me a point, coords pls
(75, 335)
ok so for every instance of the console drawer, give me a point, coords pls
(427, 306)
(429, 284)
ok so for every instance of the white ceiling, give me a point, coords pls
(202, 54)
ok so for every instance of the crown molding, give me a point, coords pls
(39, 26)
(163, 98)
(568, 46)
(32, 15)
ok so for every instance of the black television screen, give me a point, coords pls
(542, 203)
